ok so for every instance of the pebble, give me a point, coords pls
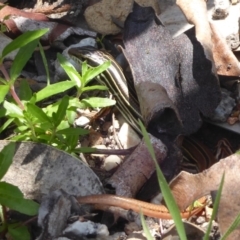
(128, 137)
(111, 162)
(80, 230)
(225, 107)
(82, 121)
(200, 220)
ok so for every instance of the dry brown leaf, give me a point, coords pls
(215, 45)
(102, 16)
(196, 13)
(225, 61)
(188, 187)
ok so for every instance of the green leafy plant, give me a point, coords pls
(52, 124)
(11, 197)
(82, 80)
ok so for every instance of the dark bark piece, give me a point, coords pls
(199, 83)
(137, 168)
(170, 167)
(180, 66)
(160, 118)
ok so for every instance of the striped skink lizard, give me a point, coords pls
(127, 103)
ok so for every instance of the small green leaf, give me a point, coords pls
(22, 128)
(72, 142)
(3, 81)
(63, 125)
(94, 72)
(73, 131)
(25, 92)
(6, 124)
(84, 68)
(53, 89)
(21, 137)
(95, 87)
(10, 190)
(98, 102)
(4, 89)
(10, 197)
(23, 55)
(2, 112)
(23, 40)
(18, 231)
(71, 115)
(70, 70)
(38, 113)
(12, 110)
(61, 112)
(6, 158)
(75, 103)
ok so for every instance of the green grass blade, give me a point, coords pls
(145, 228)
(44, 63)
(167, 195)
(22, 57)
(233, 226)
(215, 208)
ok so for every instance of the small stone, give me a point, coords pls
(200, 220)
(110, 130)
(204, 226)
(208, 212)
(82, 121)
(111, 162)
(225, 107)
(116, 124)
(232, 120)
(128, 137)
(82, 230)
